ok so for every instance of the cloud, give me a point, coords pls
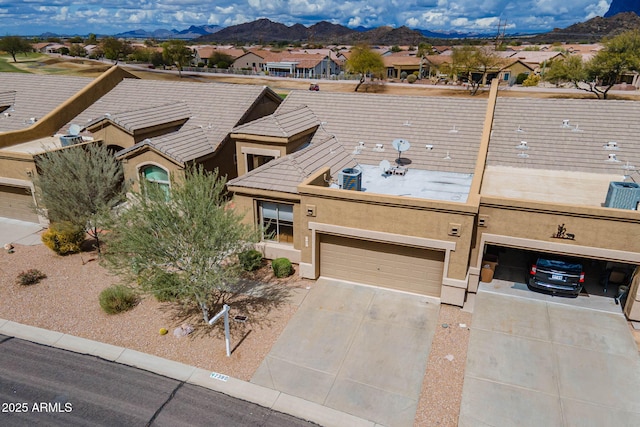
(37, 16)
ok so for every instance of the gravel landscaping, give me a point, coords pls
(67, 301)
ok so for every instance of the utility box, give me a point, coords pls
(623, 195)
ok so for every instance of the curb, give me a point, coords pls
(263, 396)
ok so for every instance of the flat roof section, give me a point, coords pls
(419, 183)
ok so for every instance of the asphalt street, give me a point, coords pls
(42, 385)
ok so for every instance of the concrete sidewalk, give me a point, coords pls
(356, 349)
(534, 362)
(262, 396)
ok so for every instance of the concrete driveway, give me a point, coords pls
(21, 232)
(535, 362)
(356, 349)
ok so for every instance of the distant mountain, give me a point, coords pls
(619, 6)
(591, 31)
(266, 31)
(190, 33)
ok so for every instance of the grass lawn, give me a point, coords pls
(6, 65)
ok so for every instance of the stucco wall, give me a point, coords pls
(15, 166)
(146, 157)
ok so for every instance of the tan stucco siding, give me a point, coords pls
(113, 135)
(605, 230)
(398, 220)
(16, 166)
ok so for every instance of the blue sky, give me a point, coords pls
(33, 17)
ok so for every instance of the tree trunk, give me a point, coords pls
(362, 78)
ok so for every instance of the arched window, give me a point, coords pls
(156, 175)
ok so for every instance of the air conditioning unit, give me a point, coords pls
(67, 140)
(350, 179)
(623, 195)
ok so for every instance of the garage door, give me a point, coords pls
(381, 264)
(17, 203)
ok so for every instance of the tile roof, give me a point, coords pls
(35, 96)
(183, 145)
(578, 145)
(450, 127)
(214, 107)
(147, 117)
(281, 124)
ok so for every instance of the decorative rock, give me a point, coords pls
(183, 330)
(445, 325)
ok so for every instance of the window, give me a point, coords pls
(158, 176)
(277, 222)
(256, 160)
(506, 76)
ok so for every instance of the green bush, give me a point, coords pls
(250, 260)
(520, 78)
(30, 277)
(411, 78)
(403, 75)
(118, 298)
(282, 267)
(64, 238)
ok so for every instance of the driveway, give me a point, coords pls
(21, 232)
(356, 349)
(542, 362)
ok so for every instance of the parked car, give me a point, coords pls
(558, 276)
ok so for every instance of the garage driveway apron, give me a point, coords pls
(356, 349)
(538, 363)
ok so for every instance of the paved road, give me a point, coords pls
(49, 386)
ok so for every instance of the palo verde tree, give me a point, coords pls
(474, 62)
(80, 184)
(365, 62)
(184, 243)
(621, 54)
(115, 49)
(176, 52)
(14, 45)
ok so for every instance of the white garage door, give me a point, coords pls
(17, 203)
(386, 265)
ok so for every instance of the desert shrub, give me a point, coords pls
(282, 267)
(250, 260)
(403, 75)
(118, 298)
(30, 277)
(64, 238)
(520, 78)
(411, 78)
(532, 80)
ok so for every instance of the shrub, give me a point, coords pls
(403, 75)
(532, 80)
(250, 260)
(282, 267)
(520, 78)
(64, 238)
(411, 78)
(118, 298)
(30, 277)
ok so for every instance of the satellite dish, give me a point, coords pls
(400, 145)
(385, 166)
(74, 129)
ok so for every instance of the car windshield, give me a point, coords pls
(558, 264)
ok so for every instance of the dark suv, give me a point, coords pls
(557, 276)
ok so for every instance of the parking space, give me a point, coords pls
(357, 349)
(601, 277)
(20, 232)
(535, 362)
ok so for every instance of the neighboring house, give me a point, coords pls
(157, 128)
(480, 176)
(400, 62)
(537, 60)
(253, 60)
(201, 54)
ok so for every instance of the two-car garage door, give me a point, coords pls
(17, 203)
(388, 265)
